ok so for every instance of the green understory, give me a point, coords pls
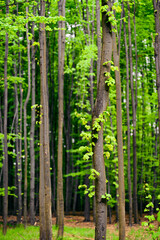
(32, 233)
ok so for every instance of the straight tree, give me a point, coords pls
(135, 201)
(5, 160)
(156, 5)
(32, 132)
(121, 189)
(45, 181)
(25, 121)
(61, 51)
(128, 123)
(99, 108)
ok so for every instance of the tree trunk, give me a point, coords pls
(136, 55)
(20, 154)
(156, 6)
(98, 39)
(61, 51)
(119, 142)
(32, 132)
(99, 108)
(16, 140)
(45, 181)
(128, 127)
(25, 123)
(5, 160)
(135, 201)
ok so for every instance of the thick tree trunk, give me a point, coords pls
(5, 160)
(61, 51)
(99, 108)
(128, 127)
(25, 123)
(120, 143)
(45, 181)
(135, 201)
(32, 132)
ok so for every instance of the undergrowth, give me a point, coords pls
(70, 233)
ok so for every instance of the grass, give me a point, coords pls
(71, 233)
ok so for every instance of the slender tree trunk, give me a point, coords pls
(61, 51)
(98, 39)
(115, 168)
(135, 39)
(20, 154)
(109, 192)
(32, 132)
(20, 148)
(68, 154)
(87, 201)
(75, 193)
(45, 181)
(52, 120)
(5, 160)
(128, 127)
(135, 201)
(156, 5)
(120, 143)
(25, 123)
(99, 108)
(16, 140)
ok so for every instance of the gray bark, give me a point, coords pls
(32, 133)
(61, 51)
(135, 201)
(99, 108)
(25, 123)
(128, 127)
(5, 160)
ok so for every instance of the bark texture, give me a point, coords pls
(135, 201)
(32, 133)
(98, 39)
(25, 123)
(128, 125)
(5, 160)
(99, 108)
(61, 51)
(45, 181)
(156, 5)
(120, 142)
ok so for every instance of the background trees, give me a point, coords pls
(138, 73)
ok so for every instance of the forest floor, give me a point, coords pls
(77, 221)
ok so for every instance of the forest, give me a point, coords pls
(80, 116)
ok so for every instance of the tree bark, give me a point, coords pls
(16, 140)
(61, 51)
(98, 39)
(99, 108)
(5, 160)
(128, 125)
(135, 201)
(156, 6)
(32, 132)
(136, 55)
(20, 154)
(45, 181)
(119, 142)
(25, 123)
